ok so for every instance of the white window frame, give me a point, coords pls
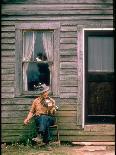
(53, 26)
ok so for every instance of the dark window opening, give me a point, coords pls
(38, 73)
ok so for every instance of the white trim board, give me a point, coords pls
(83, 50)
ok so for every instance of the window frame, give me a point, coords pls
(54, 66)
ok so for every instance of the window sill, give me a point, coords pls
(30, 94)
(39, 62)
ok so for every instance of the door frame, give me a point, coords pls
(81, 68)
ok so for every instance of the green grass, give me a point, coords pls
(21, 149)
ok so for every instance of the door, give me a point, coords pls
(99, 60)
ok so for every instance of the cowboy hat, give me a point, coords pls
(41, 88)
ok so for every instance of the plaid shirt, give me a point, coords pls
(38, 108)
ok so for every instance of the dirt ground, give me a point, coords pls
(63, 149)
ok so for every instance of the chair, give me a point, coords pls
(57, 132)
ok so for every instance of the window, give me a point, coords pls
(101, 54)
(37, 51)
(37, 57)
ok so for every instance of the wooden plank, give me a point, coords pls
(59, 2)
(7, 34)
(14, 132)
(68, 34)
(68, 40)
(68, 46)
(88, 138)
(68, 52)
(23, 113)
(7, 83)
(62, 126)
(58, 18)
(7, 46)
(67, 138)
(7, 28)
(69, 28)
(8, 59)
(68, 58)
(42, 25)
(15, 107)
(68, 89)
(7, 65)
(7, 53)
(68, 65)
(18, 101)
(61, 132)
(54, 7)
(12, 139)
(64, 103)
(7, 89)
(68, 83)
(7, 95)
(57, 12)
(8, 71)
(68, 71)
(6, 23)
(103, 23)
(7, 40)
(8, 77)
(82, 133)
(100, 127)
(68, 77)
(68, 95)
(19, 120)
(20, 113)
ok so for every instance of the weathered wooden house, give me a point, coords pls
(67, 44)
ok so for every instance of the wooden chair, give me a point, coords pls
(55, 126)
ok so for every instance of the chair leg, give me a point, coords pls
(58, 137)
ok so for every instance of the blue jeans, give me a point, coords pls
(43, 123)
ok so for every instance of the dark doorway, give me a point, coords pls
(99, 62)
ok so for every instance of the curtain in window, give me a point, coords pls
(100, 54)
(28, 51)
(47, 45)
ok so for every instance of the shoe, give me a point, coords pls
(48, 148)
(37, 139)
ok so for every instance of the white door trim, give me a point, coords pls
(81, 50)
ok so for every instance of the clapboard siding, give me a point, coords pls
(59, 12)
(70, 14)
(6, 65)
(8, 28)
(58, 18)
(105, 22)
(10, 59)
(7, 53)
(8, 41)
(59, 1)
(66, 8)
(65, 115)
(68, 65)
(7, 34)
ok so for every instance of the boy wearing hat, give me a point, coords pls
(43, 109)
